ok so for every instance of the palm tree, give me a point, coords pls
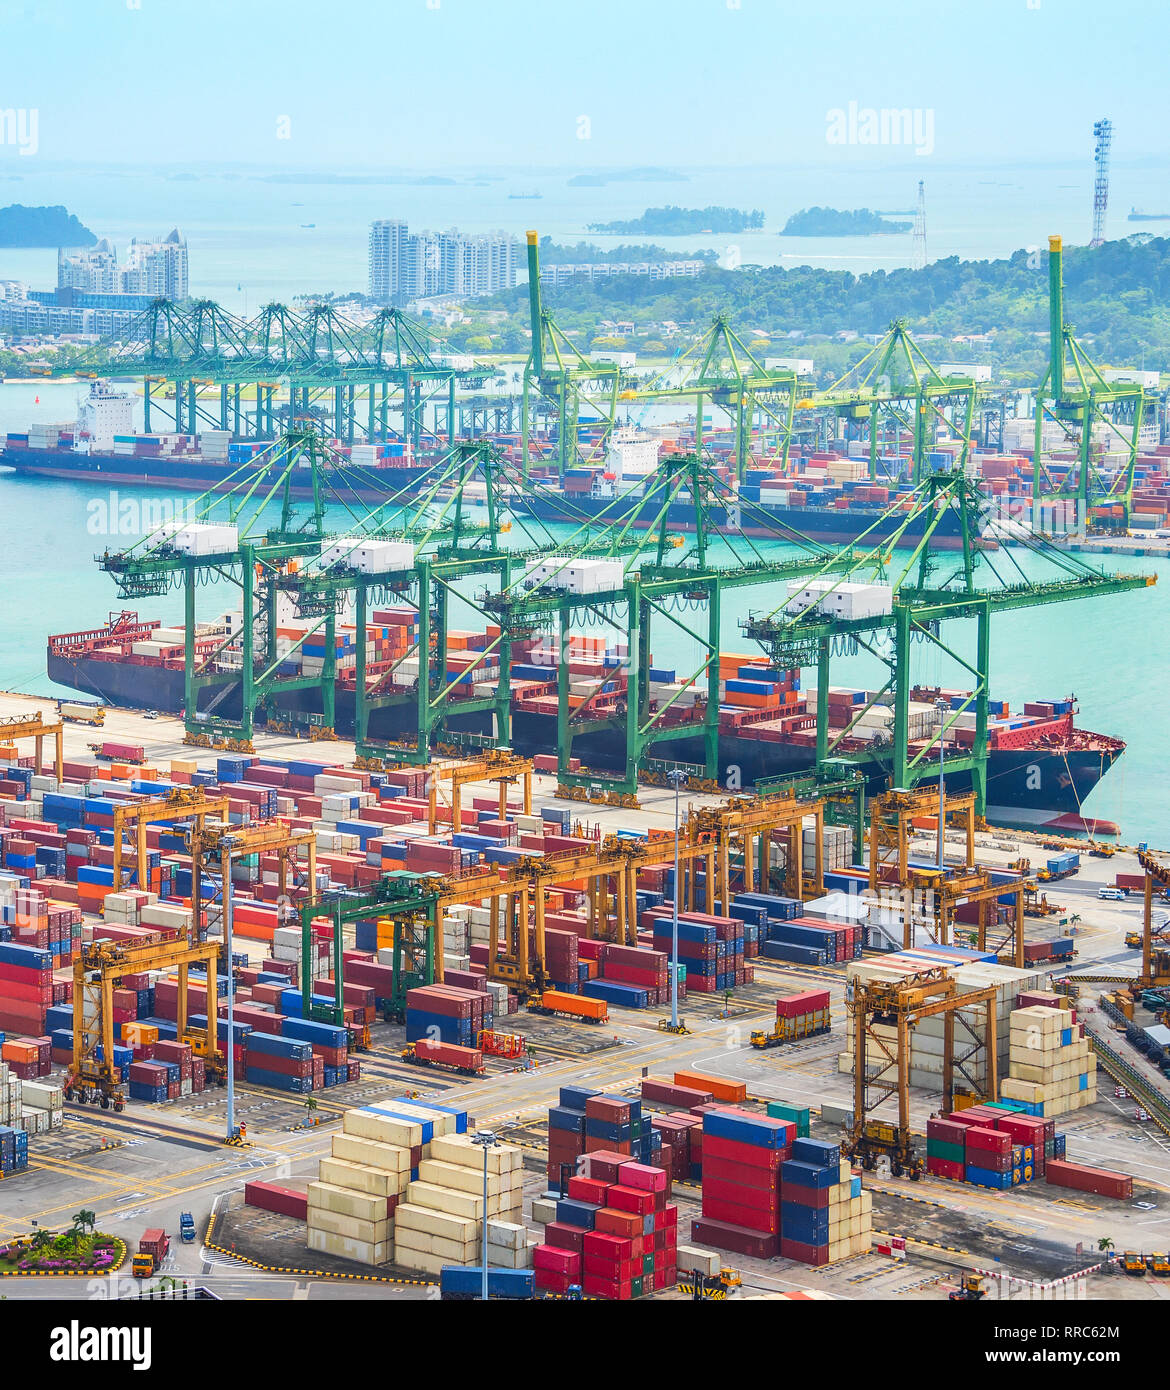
(310, 1106)
(85, 1220)
(41, 1238)
(1105, 1244)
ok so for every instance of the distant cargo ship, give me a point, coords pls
(1041, 767)
(1136, 216)
(829, 502)
(102, 446)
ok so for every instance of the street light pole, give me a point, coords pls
(942, 706)
(486, 1140)
(676, 777)
(225, 868)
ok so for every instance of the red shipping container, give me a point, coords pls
(806, 1002)
(668, 1094)
(723, 1189)
(631, 1199)
(608, 1108)
(1061, 1173)
(947, 1131)
(946, 1168)
(565, 1237)
(608, 1247)
(747, 1155)
(735, 1215)
(728, 1170)
(806, 1254)
(269, 1196)
(988, 1141)
(588, 1190)
(449, 1054)
(595, 1287)
(643, 1177)
(554, 1258)
(723, 1235)
(816, 1198)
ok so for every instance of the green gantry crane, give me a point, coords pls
(649, 593)
(1077, 405)
(921, 603)
(203, 368)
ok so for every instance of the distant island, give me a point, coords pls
(672, 221)
(410, 180)
(56, 226)
(831, 222)
(585, 253)
(647, 175)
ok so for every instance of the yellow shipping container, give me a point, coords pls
(329, 1197)
(373, 1232)
(435, 1223)
(459, 1150)
(370, 1152)
(462, 1179)
(426, 1194)
(359, 1177)
(455, 1252)
(358, 1250)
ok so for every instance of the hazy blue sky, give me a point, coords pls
(434, 83)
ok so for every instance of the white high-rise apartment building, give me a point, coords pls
(407, 265)
(156, 268)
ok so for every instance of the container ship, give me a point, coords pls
(1041, 766)
(102, 446)
(813, 497)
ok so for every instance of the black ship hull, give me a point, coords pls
(1041, 784)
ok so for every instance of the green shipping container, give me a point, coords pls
(647, 1264)
(636, 1287)
(797, 1115)
(939, 1148)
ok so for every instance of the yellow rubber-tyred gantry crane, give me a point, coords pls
(212, 841)
(517, 896)
(881, 1068)
(34, 726)
(1155, 955)
(928, 898)
(96, 972)
(499, 765)
(183, 803)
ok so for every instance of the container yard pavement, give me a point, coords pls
(143, 1167)
(167, 1163)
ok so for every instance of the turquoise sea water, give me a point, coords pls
(1106, 651)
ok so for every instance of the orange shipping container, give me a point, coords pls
(734, 1092)
(577, 1004)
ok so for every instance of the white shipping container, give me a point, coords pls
(200, 538)
(369, 555)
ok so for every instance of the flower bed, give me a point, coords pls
(86, 1254)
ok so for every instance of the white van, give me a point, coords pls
(1113, 894)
